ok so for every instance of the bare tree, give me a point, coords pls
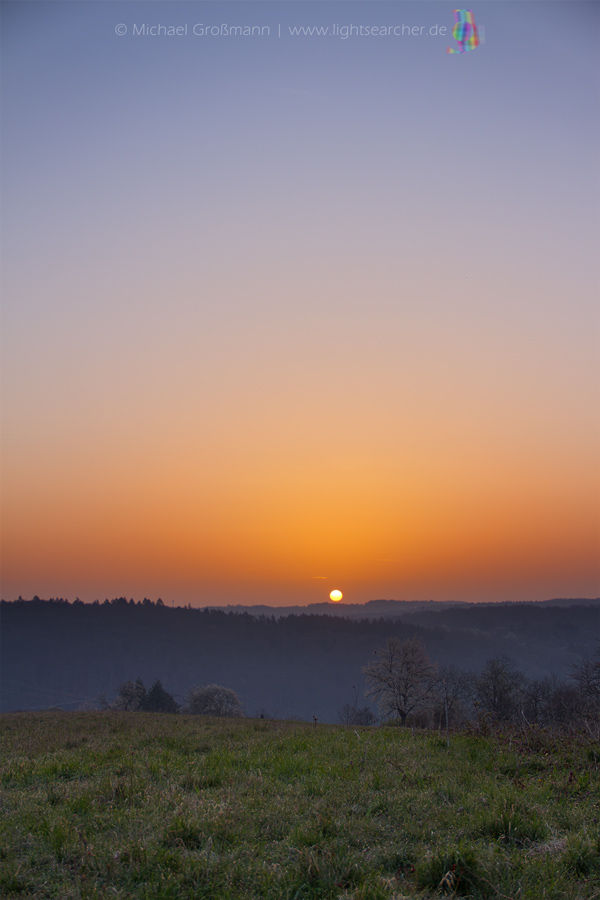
(499, 688)
(586, 675)
(213, 700)
(535, 700)
(453, 690)
(349, 713)
(401, 678)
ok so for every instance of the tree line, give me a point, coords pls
(407, 687)
(202, 700)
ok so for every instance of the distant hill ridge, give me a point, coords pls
(389, 608)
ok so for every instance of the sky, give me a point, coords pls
(287, 312)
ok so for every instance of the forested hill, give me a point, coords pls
(60, 653)
(388, 609)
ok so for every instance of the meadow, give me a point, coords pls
(147, 805)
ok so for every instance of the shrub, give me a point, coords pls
(213, 700)
(350, 715)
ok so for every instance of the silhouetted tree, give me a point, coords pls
(131, 696)
(586, 675)
(564, 706)
(499, 688)
(401, 678)
(159, 700)
(551, 702)
(535, 700)
(350, 714)
(453, 691)
(213, 700)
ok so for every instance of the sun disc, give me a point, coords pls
(336, 596)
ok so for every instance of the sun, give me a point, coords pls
(336, 596)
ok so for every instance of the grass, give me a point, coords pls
(141, 805)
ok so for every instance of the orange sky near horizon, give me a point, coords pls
(407, 521)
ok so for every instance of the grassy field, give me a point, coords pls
(142, 805)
